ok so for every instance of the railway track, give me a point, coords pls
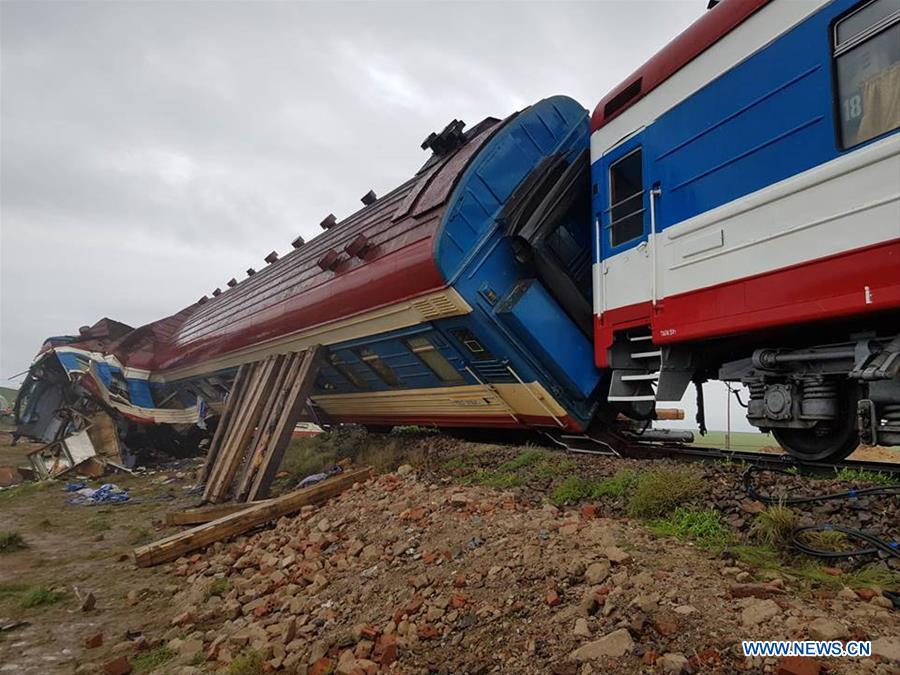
(612, 444)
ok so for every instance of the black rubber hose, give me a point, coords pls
(877, 545)
(882, 490)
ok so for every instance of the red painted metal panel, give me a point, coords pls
(855, 283)
(295, 293)
(696, 39)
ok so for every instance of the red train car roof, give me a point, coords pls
(378, 256)
(697, 38)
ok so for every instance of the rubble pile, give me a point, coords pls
(403, 574)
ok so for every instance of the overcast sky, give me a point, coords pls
(149, 151)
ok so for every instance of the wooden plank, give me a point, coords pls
(282, 434)
(224, 420)
(204, 514)
(236, 440)
(267, 422)
(215, 470)
(237, 523)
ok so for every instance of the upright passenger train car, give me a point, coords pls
(746, 207)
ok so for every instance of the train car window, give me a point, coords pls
(431, 357)
(346, 372)
(626, 199)
(867, 66)
(379, 367)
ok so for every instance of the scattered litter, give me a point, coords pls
(314, 478)
(108, 493)
(75, 487)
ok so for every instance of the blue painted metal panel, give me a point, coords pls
(765, 120)
(476, 257)
(139, 391)
(537, 319)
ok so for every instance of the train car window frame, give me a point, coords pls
(621, 227)
(436, 362)
(868, 33)
(378, 366)
(346, 372)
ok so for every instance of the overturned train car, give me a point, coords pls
(459, 299)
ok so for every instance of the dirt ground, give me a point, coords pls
(471, 559)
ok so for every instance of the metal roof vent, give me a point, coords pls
(232, 282)
(329, 261)
(250, 271)
(202, 300)
(369, 198)
(329, 222)
(272, 257)
(217, 292)
(446, 141)
(298, 242)
(358, 247)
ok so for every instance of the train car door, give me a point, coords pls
(622, 211)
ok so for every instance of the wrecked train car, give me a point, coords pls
(459, 299)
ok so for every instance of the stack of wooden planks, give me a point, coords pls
(250, 516)
(265, 403)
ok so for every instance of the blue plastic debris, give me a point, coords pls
(312, 479)
(108, 493)
(75, 487)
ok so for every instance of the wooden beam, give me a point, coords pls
(224, 420)
(173, 547)
(233, 453)
(204, 514)
(281, 437)
(269, 420)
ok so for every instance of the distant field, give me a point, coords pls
(9, 394)
(740, 440)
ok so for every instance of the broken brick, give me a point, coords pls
(119, 666)
(798, 665)
(552, 598)
(93, 641)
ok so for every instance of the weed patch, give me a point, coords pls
(248, 663)
(218, 587)
(658, 492)
(774, 525)
(702, 527)
(40, 596)
(862, 476)
(11, 542)
(152, 659)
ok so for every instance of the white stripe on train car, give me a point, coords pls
(849, 203)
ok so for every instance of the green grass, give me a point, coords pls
(98, 523)
(40, 596)
(500, 480)
(524, 459)
(658, 492)
(862, 476)
(802, 569)
(140, 535)
(152, 659)
(572, 490)
(702, 527)
(774, 526)
(218, 587)
(21, 491)
(248, 663)
(11, 542)
(13, 591)
(826, 540)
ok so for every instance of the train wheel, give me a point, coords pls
(826, 441)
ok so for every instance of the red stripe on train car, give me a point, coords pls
(848, 284)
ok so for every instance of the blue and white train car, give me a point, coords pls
(746, 206)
